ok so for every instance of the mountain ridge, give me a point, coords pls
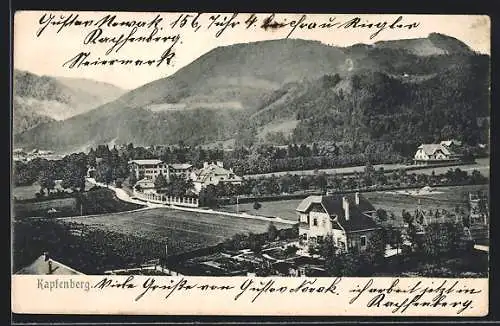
(39, 99)
(249, 74)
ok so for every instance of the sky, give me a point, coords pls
(45, 54)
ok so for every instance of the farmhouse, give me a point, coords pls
(213, 174)
(435, 154)
(348, 220)
(148, 169)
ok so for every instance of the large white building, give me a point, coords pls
(181, 169)
(149, 169)
(213, 174)
(435, 154)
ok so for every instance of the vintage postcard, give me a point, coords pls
(250, 164)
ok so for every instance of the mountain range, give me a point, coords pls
(42, 99)
(299, 89)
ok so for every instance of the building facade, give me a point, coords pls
(183, 170)
(348, 220)
(434, 154)
(149, 169)
(213, 174)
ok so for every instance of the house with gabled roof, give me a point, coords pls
(181, 169)
(435, 154)
(349, 220)
(213, 174)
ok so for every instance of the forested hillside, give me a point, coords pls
(398, 93)
(41, 99)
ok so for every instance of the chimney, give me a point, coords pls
(50, 267)
(345, 206)
(46, 258)
(356, 196)
(220, 164)
(205, 165)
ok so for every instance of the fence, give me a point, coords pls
(149, 270)
(153, 197)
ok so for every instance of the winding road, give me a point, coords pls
(123, 195)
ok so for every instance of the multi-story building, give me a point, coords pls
(213, 174)
(183, 169)
(348, 220)
(149, 169)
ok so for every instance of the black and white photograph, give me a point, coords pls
(250, 145)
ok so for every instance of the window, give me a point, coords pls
(363, 241)
(315, 222)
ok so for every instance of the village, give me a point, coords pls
(331, 227)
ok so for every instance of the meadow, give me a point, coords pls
(392, 201)
(482, 165)
(28, 192)
(181, 230)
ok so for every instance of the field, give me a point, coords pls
(350, 169)
(482, 165)
(282, 208)
(98, 201)
(28, 192)
(64, 206)
(182, 230)
(441, 197)
(25, 192)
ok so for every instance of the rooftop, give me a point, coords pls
(146, 162)
(358, 218)
(215, 170)
(41, 267)
(181, 166)
(430, 149)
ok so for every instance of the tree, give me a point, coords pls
(160, 182)
(208, 196)
(46, 180)
(441, 239)
(74, 173)
(272, 232)
(322, 182)
(375, 251)
(291, 250)
(407, 218)
(313, 249)
(255, 242)
(333, 264)
(132, 179)
(382, 214)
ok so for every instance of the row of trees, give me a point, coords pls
(176, 185)
(288, 183)
(71, 170)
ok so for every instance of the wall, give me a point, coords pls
(338, 237)
(167, 200)
(323, 227)
(354, 239)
